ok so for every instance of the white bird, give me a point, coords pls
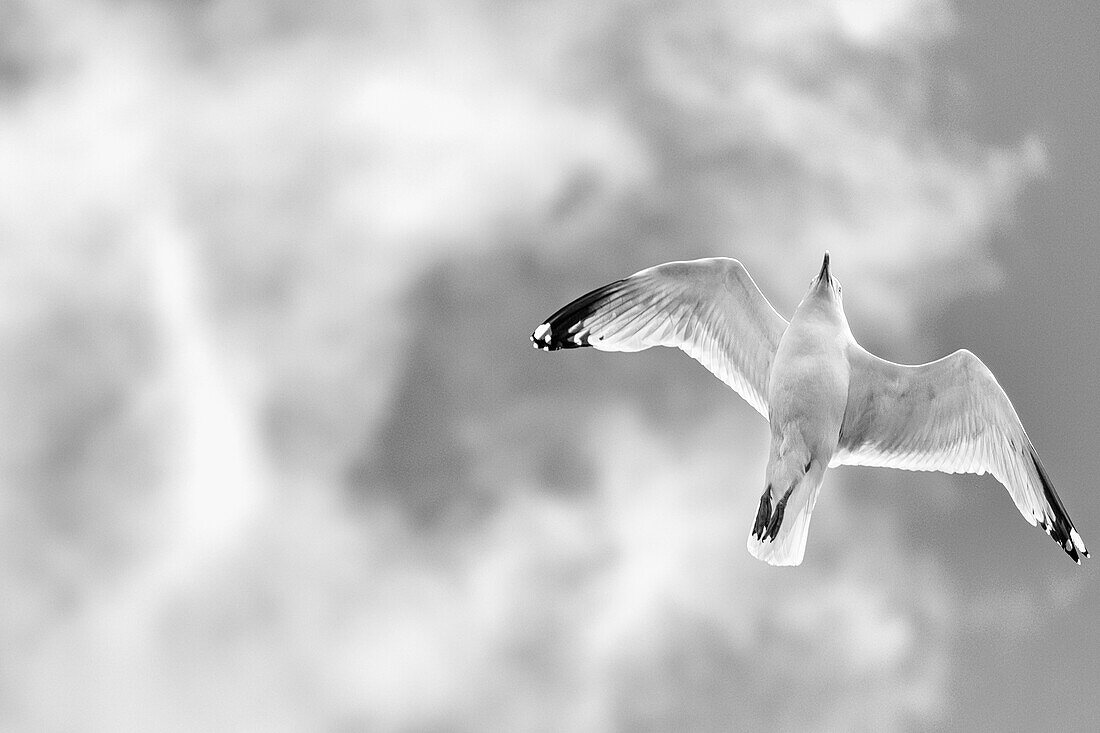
(828, 400)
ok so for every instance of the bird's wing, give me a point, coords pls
(710, 308)
(948, 415)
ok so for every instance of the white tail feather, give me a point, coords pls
(789, 545)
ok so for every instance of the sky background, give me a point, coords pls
(280, 455)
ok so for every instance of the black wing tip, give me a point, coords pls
(1065, 534)
(564, 329)
(545, 338)
(1057, 523)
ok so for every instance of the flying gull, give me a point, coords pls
(828, 400)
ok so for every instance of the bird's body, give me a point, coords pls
(828, 401)
(807, 393)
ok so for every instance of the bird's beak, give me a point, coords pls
(823, 276)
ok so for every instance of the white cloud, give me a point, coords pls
(878, 24)
(840, 141)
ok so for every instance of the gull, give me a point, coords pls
(828, 400)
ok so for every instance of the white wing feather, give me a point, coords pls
(948, 415)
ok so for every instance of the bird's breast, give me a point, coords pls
(808, 386)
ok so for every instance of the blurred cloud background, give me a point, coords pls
(279, 455)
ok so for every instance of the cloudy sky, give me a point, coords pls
(280, 456)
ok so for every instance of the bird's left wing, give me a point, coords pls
(709, 308)
(948, 415)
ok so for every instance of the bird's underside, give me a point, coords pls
(948, 415)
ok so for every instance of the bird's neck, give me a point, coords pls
(822, 317)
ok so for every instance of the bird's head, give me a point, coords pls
(823, 298)
(825, 286)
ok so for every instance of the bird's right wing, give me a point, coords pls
(709, 308)
(948, 415)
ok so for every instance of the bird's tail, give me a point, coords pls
(788, 545)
